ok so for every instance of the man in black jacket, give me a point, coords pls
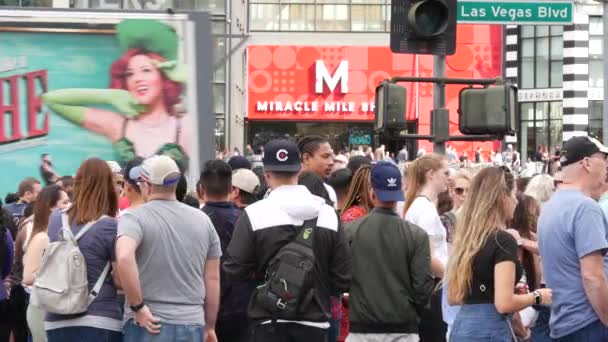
(268, 225)
(391, 266)
(216, 183)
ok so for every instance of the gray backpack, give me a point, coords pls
(61, 286)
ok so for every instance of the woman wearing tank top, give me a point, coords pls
(36, 241)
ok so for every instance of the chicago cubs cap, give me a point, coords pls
(386, 182)
(281, 155)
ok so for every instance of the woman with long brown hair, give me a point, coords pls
(357, 203)
(95, 206)
(36, 241)
(428, 177)
(483, 267)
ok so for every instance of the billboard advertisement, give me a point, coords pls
(109, 88)
(337, 83)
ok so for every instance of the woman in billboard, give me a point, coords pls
(141, 113)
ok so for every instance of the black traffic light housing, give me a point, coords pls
(390, 106)
(425, 27)
(490, 110)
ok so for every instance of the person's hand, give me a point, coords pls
(174, 70)
(126, 103)
(546, 296)
(210, 335)
(515, 235)
(144, 319)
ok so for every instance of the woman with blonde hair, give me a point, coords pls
(428, 177)
(541, 187)
(484, 266)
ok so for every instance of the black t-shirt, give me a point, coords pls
(499, 247)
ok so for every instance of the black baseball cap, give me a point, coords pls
(281, 155)
(579, 148)
(239, 162)
(386, 182)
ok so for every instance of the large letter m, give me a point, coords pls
(323, 76)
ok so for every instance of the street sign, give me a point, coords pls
(515, 12)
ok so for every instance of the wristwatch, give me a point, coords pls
(537, 297)
(136, 308)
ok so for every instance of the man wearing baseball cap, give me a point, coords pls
(245, 185)
(391, 254)
(270, 224)
(168, 261)
(573, 239)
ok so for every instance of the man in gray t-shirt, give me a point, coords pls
(168, 261)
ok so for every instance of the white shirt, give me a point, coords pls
(424, 214)
(332, 194)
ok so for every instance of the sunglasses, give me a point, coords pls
(460, 191)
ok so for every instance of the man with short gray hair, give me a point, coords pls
(573, 240)
(168, 262)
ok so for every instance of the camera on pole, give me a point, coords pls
(390, 106)
(491, 110)
(425, 27)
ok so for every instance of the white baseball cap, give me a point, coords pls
(157, 170)
(245, 180)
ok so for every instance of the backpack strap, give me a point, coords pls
(102, 277)
(99, 283)
(305, 233)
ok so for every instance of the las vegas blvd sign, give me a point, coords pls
(515, 12)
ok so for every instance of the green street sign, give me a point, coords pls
(515, 12)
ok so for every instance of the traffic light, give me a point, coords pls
(490, 110)
(390, 106)
(426, 27)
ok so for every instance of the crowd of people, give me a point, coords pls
(302, 244)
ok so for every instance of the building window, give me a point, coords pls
(26, 3)
(541, 126)
(220, 132)
(541, 52)
(319, 15)
(595, 125)
(596, 61)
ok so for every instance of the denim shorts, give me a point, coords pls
(480, 323)
(168, 332)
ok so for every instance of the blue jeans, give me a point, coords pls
(540, 331)
(334, 330)
(595, 331)
(480, 323)
(83, 334)
(168, 333)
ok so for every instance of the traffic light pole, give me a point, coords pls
(439, 103)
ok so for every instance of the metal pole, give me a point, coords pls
(605, 65)
(439, 96)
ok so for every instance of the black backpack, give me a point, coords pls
(288, 286)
